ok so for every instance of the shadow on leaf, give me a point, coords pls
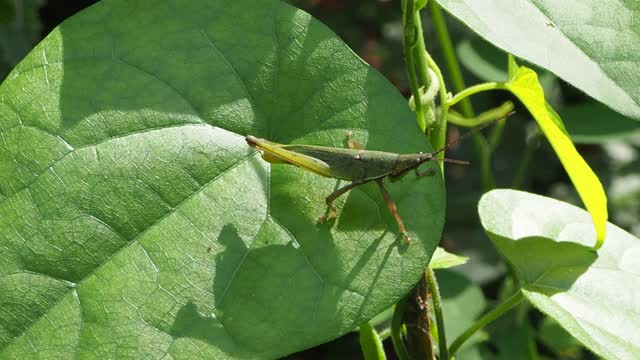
(190, 323)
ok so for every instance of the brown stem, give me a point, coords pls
(418, 322)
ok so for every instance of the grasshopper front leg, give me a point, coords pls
(394, 210)
(332, 212)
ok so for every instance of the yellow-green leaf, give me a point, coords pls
(524, 84)
(443, 259)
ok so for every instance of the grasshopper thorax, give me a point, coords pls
(408, 162)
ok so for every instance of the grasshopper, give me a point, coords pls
(354, 164)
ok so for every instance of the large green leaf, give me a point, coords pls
(593, 295)
(591, 44)
(134, 219)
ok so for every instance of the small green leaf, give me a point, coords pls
(526, 87)
(136, 222)
(593, 295)
(370, 343)
(591, 44)
(443, 259)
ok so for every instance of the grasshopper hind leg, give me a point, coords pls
(394, 210)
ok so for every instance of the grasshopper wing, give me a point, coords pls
(275, 153)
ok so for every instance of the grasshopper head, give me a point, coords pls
(424, 157)
(432, 157)
(407, 162)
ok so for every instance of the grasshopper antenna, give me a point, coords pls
(453, 161)
(470, 133)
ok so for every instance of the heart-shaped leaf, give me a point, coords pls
(591, 44)
(593, 295)
(134, 219)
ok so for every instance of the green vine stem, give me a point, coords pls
(438, 137)
(507, 305)
(496, 134)
(483, 148)
(416, 55)
(396, 330)
(437, 309)
(449, 55)
(385, 334)
(464, 94)
(419, 51)
(518, 179)
(410, 40)
(371, 343)
(490, 115)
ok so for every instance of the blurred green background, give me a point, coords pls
(522, 159)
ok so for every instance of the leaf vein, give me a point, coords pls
(233, 69)
(137, 238)
(121, 136)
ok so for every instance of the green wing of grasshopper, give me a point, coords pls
(277, 154)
